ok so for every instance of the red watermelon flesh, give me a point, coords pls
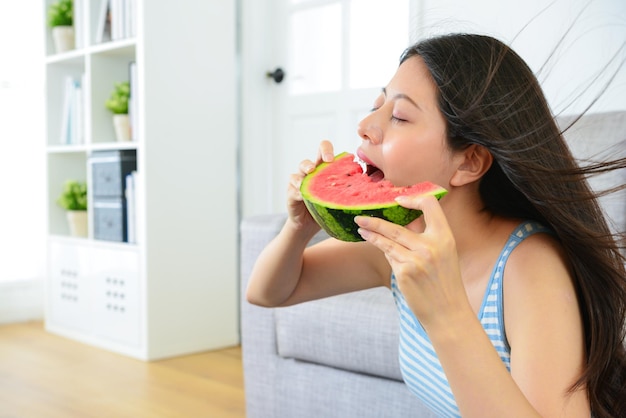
(336, 192)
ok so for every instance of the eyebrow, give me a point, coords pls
(401, 96)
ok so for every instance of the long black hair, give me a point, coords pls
(490, 97)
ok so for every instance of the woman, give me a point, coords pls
(511, 289)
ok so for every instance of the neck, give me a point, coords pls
(479, 237)
(473, 227)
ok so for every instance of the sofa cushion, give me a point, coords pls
(356, 331)
(598, 137)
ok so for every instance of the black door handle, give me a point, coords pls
(277, 75)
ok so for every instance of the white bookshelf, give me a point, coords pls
(175, 291)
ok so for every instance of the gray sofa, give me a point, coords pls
(337, 357)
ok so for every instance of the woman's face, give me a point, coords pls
(405, 134)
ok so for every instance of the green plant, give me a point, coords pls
(74, 196)
(61, 13)
(118, 101)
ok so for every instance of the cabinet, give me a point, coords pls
(174, 290)
(95, 289)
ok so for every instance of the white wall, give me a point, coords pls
(22, 162)
(597, 35)
(534, 28)
(581, 42)
(21, 132)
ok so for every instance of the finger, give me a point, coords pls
(390, 231)
(325, 152)
(433, 216)
(295, 180)
(294, 195)
(393, 251)
(307, 166)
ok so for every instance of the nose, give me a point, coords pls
(369, 130)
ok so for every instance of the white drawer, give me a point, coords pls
(115, 295)
(69, 285)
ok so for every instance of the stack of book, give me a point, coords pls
(131, 207)
(117, 20)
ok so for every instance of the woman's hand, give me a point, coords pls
(298, 213)
(423, 258)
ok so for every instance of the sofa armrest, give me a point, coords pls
(256, 232)
(258, 332)
(258, 335)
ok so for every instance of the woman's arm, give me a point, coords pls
(288, 272)
(541, 315)
(544, 329)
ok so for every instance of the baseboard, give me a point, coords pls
(21, 300)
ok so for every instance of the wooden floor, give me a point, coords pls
(46, 376)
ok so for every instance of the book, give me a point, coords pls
(65, 112)
(104, 22)
(72, 115)
(78, 19)
(131, 212)
(117, 20)
(133, 102)
(129, 14)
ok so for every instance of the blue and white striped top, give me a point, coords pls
(421, 369)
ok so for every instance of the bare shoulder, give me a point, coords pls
(543, 324)
(538, 261)
(538, 274)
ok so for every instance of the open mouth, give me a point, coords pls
(374, 173)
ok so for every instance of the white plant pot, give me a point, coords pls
(63, 37)
(77, 221)
(121, 123)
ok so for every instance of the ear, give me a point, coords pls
(474, 162)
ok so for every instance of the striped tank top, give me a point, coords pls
(421, 369)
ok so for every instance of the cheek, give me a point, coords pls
(401, 159)
(445, 171)
(427, 162)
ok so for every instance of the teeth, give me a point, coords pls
(362, 163)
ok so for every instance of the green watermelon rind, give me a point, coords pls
(338, 221)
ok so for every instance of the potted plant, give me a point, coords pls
(74, 200)
(118, 105)
(60, 19)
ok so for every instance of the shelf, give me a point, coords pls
(123, 47)
(120, 47)
(104, 146)
(75, 55)
(67, 239)
(60, 149)
(107, 146)
(93, 242)
(174, 291)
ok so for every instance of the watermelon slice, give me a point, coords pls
(336, 192)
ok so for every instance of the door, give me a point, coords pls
(336, 56)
